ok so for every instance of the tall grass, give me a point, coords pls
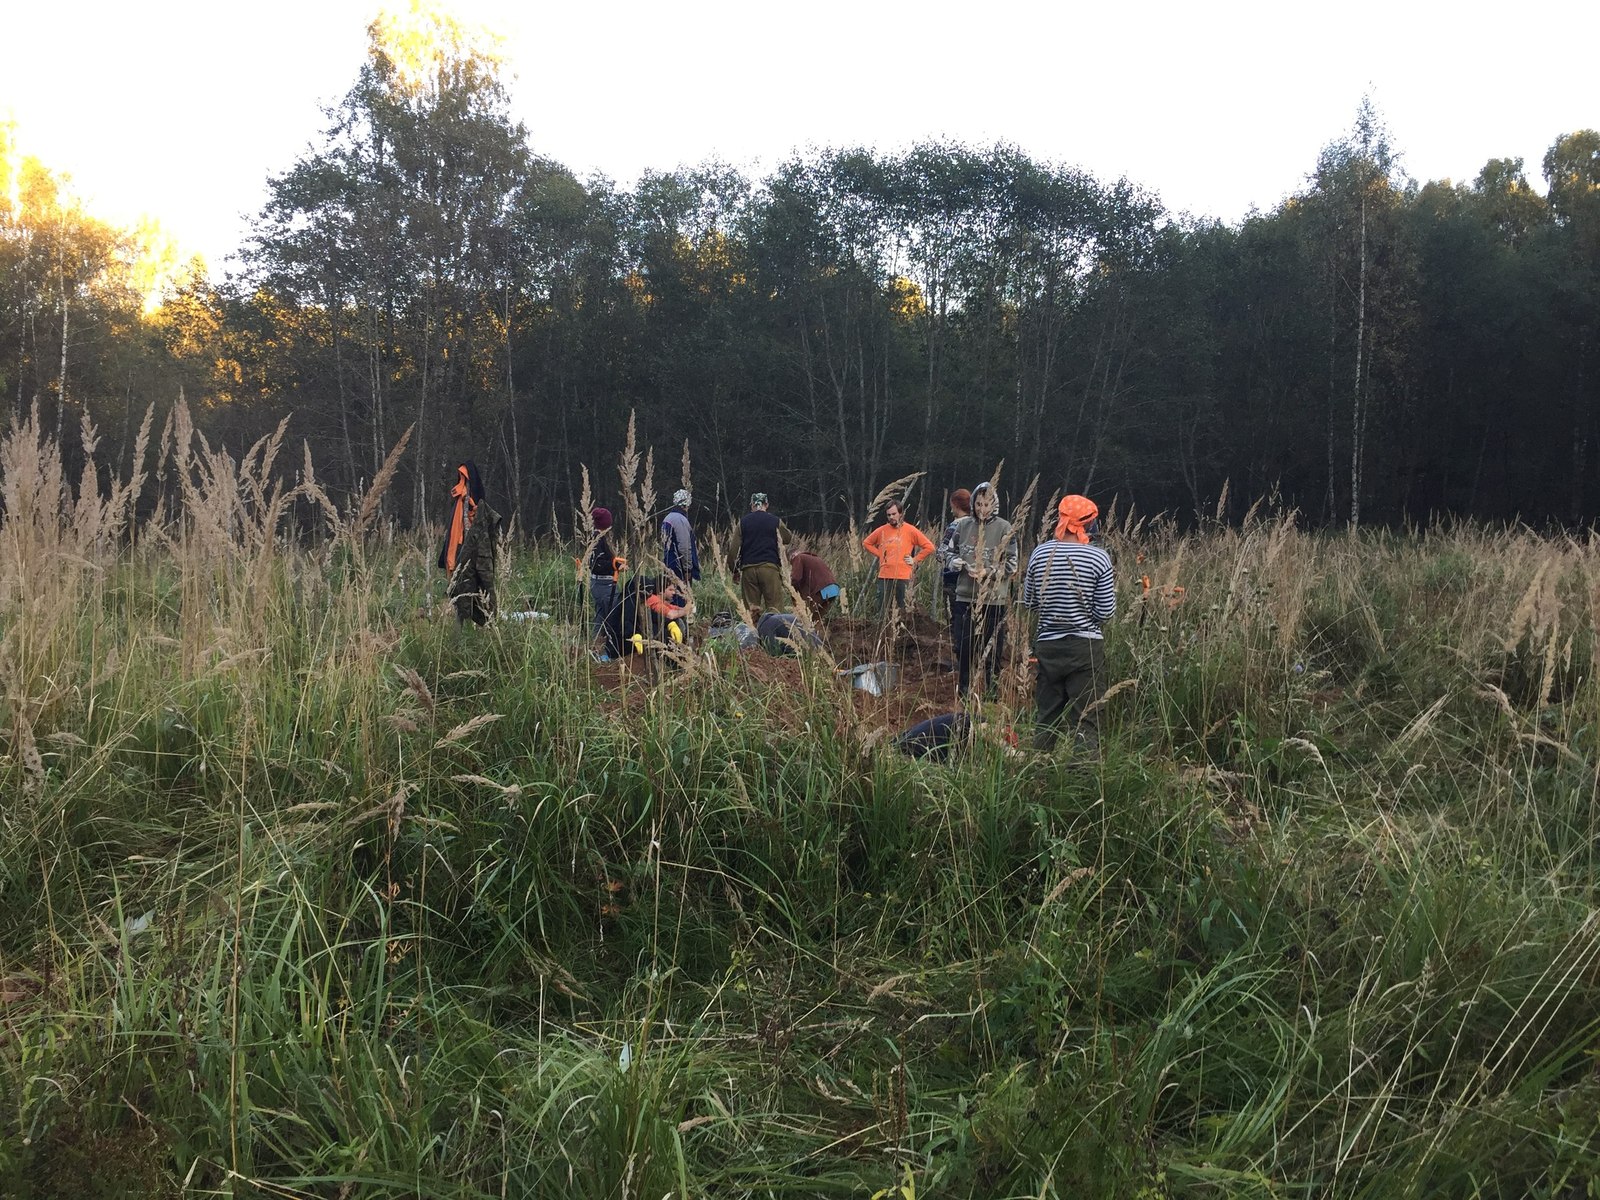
(307, 894)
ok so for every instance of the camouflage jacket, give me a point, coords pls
(475, 561)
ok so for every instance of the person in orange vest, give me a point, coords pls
(898, 546)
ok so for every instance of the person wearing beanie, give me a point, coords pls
(898, 546)
(960, 506)
(756, 555)
(983, 550)
(604, 568)
(1071, 588)
(470, 545)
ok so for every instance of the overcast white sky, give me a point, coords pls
(181, 110)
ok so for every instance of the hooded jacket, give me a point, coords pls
(985, 546)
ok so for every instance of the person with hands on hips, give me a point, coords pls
(898, 546)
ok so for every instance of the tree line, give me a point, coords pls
(1371, 350)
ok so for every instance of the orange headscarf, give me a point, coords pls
(1075, 514)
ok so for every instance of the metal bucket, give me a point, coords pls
(874, 678)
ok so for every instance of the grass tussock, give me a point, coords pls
(305, 894)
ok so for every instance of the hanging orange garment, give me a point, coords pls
(460, 518)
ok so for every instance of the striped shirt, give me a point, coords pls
(1072, 588)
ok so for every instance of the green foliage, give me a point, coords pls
(318, 895)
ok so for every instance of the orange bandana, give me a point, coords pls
(1075, 514)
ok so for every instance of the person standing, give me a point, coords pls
(470, 544)
(984, 552)
(899, 547)
(814, 580)
(757, 558)
(960, 506)
(604, 567)
(1071, 587)
(680, 552)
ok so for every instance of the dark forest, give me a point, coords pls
(1371, 351)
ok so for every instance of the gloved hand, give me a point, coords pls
(958, 564)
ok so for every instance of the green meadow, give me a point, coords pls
(303, 893)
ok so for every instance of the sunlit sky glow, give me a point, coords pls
(181, 110)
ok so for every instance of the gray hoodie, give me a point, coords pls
(985, 546)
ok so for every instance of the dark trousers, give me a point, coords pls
(1067, 679)
(476, 607)
(472, 603)
(603, 592)
(891, 592)
(979, 630)
(622, 621)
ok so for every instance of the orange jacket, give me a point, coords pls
(891, 546)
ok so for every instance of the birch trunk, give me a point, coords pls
(1358, 420)
(61, 385)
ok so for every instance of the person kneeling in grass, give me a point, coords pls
(1072, 589)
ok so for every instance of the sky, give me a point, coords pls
(181, 110)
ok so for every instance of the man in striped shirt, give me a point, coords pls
(1072, 590)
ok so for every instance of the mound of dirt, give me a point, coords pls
(917, 645)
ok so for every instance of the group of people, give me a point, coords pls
(1068, 584)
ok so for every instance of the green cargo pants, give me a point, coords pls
(1068, 677)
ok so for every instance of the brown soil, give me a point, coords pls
(918, 646)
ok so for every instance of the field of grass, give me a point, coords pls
(302, 895)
